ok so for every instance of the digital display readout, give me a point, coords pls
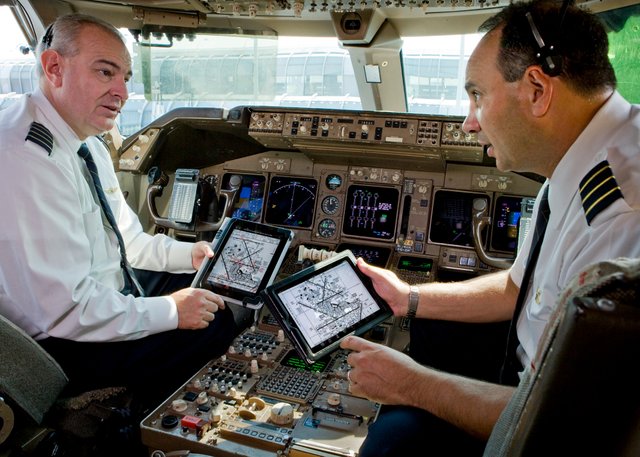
(291, 201)
(374, 255)
(371, 211)
(293, 360)
(419, 264)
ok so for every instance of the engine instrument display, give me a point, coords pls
(452, 217)
(371, 211)
(291, 201)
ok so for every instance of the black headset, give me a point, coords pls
(547, 55)
(47, 38)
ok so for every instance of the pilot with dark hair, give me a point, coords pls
(543, 100)
(111, 303)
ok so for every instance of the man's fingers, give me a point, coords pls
(216, 300)
(355, 343)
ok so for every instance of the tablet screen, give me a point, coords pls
(329, 303)
(247, 258)
(318, 306)
(244, 260)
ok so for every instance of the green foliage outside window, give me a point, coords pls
(624, 52)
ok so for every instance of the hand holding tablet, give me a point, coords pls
(322, 304)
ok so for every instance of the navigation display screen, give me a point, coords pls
(371, 211)
(319, 306)
(291, 201)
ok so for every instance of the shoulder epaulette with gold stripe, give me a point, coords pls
(41, 136)
(598, 190)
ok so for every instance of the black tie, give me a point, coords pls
(131, 283)
(512, 365)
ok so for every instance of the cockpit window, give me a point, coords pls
(225, 67)
(434, 68)
(17, 65)
(226, 71)
(315, 72)
(228, 68)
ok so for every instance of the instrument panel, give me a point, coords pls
(399, 187)
(261, 399)
(394, 218)
(401, 191)
(370, 128)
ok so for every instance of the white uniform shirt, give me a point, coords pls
(570, 243)
(60, 269)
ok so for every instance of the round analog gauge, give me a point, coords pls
(327, 228)
(330, 205)
(333, 181)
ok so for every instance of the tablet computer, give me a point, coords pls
(247, 258)
(319, 306)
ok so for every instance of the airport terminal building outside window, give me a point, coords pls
(311, 73)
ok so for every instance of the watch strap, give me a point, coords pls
(414, 297)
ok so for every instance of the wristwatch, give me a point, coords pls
(414, 297)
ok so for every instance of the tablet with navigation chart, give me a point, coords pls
(247, 258)
(322, 304)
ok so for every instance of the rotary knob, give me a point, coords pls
(179, 405)
(334, 399)
(250, 407)
(281, 414)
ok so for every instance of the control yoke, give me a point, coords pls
(481, 220)
(159, 180)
